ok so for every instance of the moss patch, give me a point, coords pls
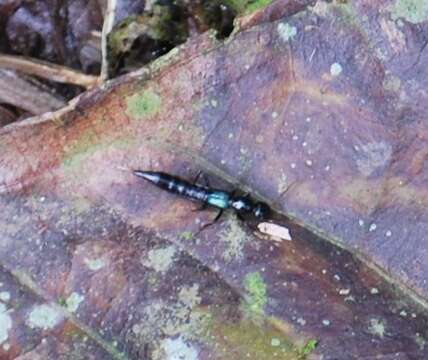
(246, 340)
(247, 6)
(143, 104)
(414, 11)
(308, 348)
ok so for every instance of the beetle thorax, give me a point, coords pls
(241, 204)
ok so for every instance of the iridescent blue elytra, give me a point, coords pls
(220, 199)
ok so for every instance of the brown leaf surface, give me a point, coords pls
(98, 264)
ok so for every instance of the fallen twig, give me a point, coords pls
(23, 94)
(47, 70)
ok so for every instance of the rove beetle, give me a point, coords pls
(244, 206)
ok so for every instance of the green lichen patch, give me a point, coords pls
(87, 142)
(414, 11)
(161, 259)
(44, 316)
(286, 31)
(186, 235)
(344, 12)
(73, 301)
(176, 348)
(256, 295)
(189, 296)
(377, 327)
(86, 146)
(168, 319)
(5, 323)
(142, 105)
(234, 239)
(421, 341)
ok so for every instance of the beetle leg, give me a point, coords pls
(289, 187)
(203, 227)
(239, 215)
(200, 174)
(218, 216)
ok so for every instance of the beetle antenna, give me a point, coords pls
(122, 168)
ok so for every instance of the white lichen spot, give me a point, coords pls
(344, 292)
(275, 342)
(293, 165)
(286, 31)
(372, 227)
(160, 259)
(320, 8)
(335, 69)
(377, 327)
(176, 349)
(44, 316)
(373, 156)
(274, 115)
(214, 103)
(189, 296)
(6, 346)
(308, 119)
(336, 277)
(230, 135)
(308, 163)
(301, 321)
(5, 323)
(326, 322)
(388, 233)
(403, 313)
(361, 222)
(374, 291)
(73, 301)
(295, 137)
(391, 82)
(94, 264)
(5, 296)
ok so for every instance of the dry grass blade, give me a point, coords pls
(110, 15)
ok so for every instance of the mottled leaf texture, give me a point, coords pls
(317, 109)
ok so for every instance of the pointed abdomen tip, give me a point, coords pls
(148, 175)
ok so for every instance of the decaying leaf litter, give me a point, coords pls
(262, 299)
